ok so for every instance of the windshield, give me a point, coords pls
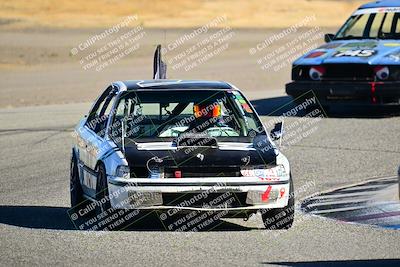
(366, 25)
(169, 114)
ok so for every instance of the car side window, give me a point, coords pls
(356, 26)
(377, 24)
(397, 24)
(387, 24)
(105, 114)
(98, 116)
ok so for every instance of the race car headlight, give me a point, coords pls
(275, 173)
(122, 171)
(316, 73)
(381, 72)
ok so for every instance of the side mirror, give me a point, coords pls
(277, 132)
(329, 37)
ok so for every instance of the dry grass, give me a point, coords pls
(17, 14)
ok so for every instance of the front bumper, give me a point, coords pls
(202, 194)
(356, 93)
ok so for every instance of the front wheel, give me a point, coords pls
(281, 218)
(103, 201)
(107, 218)
(75, 187)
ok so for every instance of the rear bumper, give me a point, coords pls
(356, 93)
(201, 194)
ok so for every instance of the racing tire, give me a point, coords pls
(102, 196)
(104, 210)
(281, 218)
(75, 186)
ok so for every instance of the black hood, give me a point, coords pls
(258, 152)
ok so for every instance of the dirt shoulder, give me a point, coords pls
(18, 14)
(37, 67)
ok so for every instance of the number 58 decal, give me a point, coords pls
(356, 53)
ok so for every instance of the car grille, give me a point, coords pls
(139, 172)
(353, 72)
(208, 171)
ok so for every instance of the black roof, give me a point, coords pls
(176, 84)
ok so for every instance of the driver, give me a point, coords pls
(207, 115)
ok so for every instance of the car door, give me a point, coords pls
(92, 135)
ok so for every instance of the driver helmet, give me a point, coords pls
(206, 110)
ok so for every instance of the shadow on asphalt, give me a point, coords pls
(277, 106)
(344, 263)
(56, 218)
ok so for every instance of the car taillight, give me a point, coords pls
(317, 72)
(381, 72)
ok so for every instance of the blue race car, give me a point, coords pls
(357, 66)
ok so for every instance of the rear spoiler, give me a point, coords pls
(159, 66)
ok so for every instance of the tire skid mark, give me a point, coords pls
(44, 129)
(357, 204)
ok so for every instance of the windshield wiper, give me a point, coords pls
(351, 38)
(388, 36)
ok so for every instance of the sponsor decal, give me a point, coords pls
(355, 53)
(392, 44)
(243, 103)
(359, 45)
(246, 160)
(265, 195)
(316, 54)
(247, 108)
(236, 93)
(330, 45)
(200, 156)
(282, 192)
(273, 174)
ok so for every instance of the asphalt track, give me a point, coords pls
(34, 195)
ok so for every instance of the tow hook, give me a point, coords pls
(248, 216)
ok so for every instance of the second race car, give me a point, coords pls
(359, 65)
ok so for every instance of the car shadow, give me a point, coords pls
(341, 263)
(278, 106)
(57, 218)
(275, 106)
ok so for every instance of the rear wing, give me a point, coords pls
(159, 66)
